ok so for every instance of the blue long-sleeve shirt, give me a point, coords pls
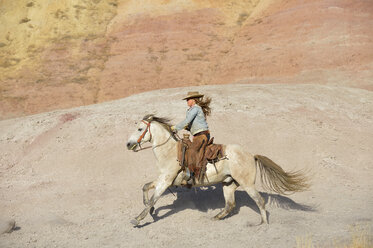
(195, 120)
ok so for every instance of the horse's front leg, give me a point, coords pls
(145, 191)
(160, 186)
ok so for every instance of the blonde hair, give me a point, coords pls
(204, 103)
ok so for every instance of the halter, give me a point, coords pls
(145, 131)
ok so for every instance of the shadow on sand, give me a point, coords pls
(206, 198)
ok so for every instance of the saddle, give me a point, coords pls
(186, 157)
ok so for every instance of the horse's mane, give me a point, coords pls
(165, 122)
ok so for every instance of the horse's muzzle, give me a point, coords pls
(131, 145)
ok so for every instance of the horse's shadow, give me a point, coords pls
(212, 197)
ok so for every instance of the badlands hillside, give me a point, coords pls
(291, 80)
(59, 54)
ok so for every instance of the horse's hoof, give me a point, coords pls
(151, 210)
(215, 218)
(135, 222)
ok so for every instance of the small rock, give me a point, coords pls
(7, 226)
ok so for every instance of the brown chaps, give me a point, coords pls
(196, 154)
(196, 159)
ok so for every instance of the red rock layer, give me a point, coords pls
(318, 42)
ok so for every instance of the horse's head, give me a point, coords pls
(141, 135)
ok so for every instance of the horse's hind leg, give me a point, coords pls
(145, 190)
(254, 194)
(244, 172)
(230, 203)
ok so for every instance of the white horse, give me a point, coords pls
(238, 170)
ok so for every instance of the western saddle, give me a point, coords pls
(186, 157)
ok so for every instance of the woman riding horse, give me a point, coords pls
(195, 122)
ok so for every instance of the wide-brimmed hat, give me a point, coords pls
(193, 94)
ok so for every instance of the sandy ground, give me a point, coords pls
(67, 179)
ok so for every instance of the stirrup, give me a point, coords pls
(191, 180)
(187, 175)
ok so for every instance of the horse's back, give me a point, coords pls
(238, 153)
(241, 163)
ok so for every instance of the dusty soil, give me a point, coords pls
(67, 179)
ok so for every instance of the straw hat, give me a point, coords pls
(193, 94)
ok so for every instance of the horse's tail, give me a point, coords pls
(274, 178)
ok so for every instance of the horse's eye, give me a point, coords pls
(140, 129)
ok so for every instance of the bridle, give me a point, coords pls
(145, 131)
(143, 135)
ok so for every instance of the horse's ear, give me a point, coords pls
(150, 118)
